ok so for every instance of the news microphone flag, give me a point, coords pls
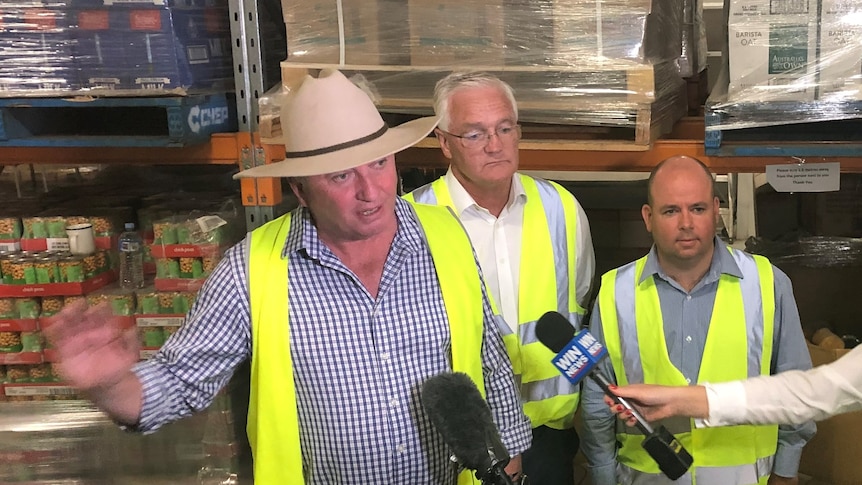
(580, 355)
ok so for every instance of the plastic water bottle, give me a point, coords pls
(131, 259)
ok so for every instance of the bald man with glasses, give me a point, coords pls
(533, 242)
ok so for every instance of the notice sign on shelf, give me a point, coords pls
(804, 177)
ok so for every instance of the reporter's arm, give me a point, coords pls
(790, 397)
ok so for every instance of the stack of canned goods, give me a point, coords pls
(55, 226)
(185, 267)
(33, 373)
(41, 267)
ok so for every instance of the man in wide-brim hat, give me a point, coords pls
(345, 306)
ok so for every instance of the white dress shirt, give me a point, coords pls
(791, 397)
(497, 241)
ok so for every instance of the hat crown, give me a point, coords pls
(327, 111)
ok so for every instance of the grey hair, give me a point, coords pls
(447, 86)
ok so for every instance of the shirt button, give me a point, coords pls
(688, 380)
(384, 356)
(402, 448)
(688, 338)
(688, 297)
(393, 402)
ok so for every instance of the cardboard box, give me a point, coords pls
(568, 32)
(832, 455)
(315, 35)
(772, 49)
(840, 61)
(456, 32)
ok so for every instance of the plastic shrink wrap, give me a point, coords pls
(611, 63)
(788, 62)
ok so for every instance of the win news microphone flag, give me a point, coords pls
(577, 356)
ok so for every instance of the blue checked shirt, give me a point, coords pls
(358, 362)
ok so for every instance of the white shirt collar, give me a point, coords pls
(464, 200)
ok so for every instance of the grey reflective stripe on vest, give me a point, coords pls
(556, 217)
(425, 195)
(546, 389)
(753, 304)
(731, 475)
(624, 299)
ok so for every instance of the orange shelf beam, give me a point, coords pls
(222, 149)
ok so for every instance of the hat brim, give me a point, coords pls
(393, 141)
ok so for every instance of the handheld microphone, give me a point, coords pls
(463, 419)
(577, 356)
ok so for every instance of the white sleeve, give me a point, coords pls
(791, 397)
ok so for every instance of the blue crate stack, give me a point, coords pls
(142, 47)
(36, 47)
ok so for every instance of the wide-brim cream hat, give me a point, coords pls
(331, 125)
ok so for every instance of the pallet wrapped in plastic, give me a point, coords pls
(789, 57)
(594, 62)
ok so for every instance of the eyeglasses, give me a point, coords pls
(477, 139)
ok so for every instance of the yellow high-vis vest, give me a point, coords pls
(738, 346)
(273, 421)
(547, 282)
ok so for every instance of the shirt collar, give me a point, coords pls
(722, 263)
(464, 200)
(303, 238)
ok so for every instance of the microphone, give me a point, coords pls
(577, 356)
(462, 417)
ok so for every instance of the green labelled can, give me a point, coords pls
(166, 302)
(183, 302)
(208, 264)
(31, 341)
(191, 268)
(56, 227)
(8, 310)
(71, 269)
(148, 302)
(90, 266)
(40, 373)
(123, 305)
(152, 336)
(51, 305)
(164, 233)
(2, 376)
(102, 226)
(10, 228)
(10, 342)
(103, 262)
(167, 268)
(28, 308)
(23, 271)
(17, 373)
(34, 228)
(184, 233)
(46, 269)
(6, 266)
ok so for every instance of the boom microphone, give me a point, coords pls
(463, 419)
(577, 356)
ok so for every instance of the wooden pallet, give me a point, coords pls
(173, 121)
(623, 115)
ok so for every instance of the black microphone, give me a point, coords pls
(577, 356)
(462, 417)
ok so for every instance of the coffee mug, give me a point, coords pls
(81, 238)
